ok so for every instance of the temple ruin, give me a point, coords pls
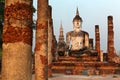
(75, 60)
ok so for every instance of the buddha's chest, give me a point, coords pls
(77, 43)
(76, 34)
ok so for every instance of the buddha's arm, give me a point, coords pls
(67, 40)
(86, 40)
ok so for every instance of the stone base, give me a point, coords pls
(75, 66)
(49, 73)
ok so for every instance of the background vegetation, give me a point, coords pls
(2, 2)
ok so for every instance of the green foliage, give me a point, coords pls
(0, 53)
(2, 3)
(1, 16)
(34, 10)
(2, 10)
(1, 27)
(118, 52)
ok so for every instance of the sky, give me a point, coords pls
(93, 12)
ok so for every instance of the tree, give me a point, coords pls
(1, 20)
(1, 10)
(17, 40)
(1, 27)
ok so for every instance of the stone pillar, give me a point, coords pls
(97, 39)
(110, 46)
(17, 40)
(50, 37)
(91, 43)
(41, 47)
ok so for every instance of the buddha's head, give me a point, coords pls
(77, 21)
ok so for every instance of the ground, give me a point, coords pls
(80, 77)
(83, 77)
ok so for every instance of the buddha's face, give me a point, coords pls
(77, 24)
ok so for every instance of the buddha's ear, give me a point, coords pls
(81, 25)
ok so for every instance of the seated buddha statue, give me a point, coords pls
(77, 40)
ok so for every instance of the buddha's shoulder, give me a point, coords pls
(70, 32)
(84, 32)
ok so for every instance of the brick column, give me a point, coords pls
(97, 39)
(91, 43)
(54, 48)
(17, 40)
(50, 37)
(41, 47)
(110, 46)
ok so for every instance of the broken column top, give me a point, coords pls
(96, 26)
(110, 17)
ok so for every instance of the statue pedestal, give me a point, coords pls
(75, 66)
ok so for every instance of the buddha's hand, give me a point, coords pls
(67, 48)
(116, 59)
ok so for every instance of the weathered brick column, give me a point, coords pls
(17, 40)
(91, 43)
(41, 47)
(54, 48)
(54, 42)
(97, 39)
(110, 37)
(50, 37)
(112, 56)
